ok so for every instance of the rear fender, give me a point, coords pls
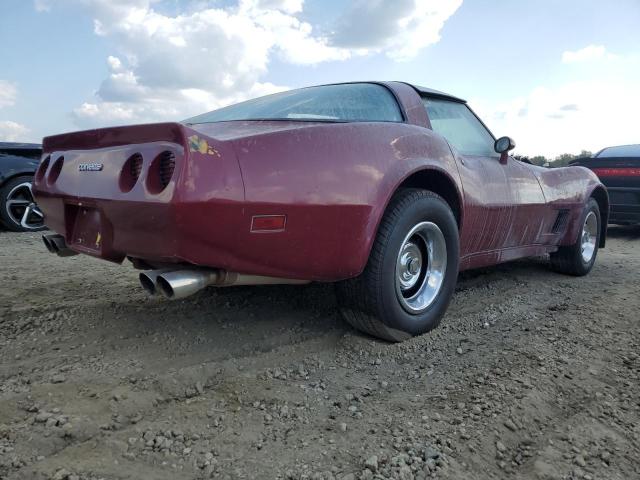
(441, 164)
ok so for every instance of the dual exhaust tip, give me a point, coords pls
(176, 284)
(56, 244)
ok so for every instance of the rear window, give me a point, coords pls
(621, 151)
(355, 102)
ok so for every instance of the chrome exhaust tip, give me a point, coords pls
(49, 244)
(183, 283)
(149, 280)
(57, 244)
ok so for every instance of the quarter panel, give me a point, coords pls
(333, 182)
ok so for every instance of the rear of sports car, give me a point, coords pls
(162, 195)
(224, 203)
(129, 191)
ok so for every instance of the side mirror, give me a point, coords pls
(502, 146)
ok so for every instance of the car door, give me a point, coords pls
(499, 195)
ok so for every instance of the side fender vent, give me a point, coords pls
(561, 221)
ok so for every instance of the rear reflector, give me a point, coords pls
(617, 172)
(268, 223)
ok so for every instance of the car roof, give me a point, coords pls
(430, 92)
(19, 146)
(619, 151)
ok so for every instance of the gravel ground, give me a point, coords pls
(531, 375)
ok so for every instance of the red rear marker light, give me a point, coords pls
(268, 223)
(617, 172)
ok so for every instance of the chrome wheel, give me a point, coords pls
(22, 209)
(420, 267)
(589, 237)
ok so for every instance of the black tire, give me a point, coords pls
(5, 218)
(370, 302)
(569, 259)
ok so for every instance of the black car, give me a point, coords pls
(18, 163)
(619, 170)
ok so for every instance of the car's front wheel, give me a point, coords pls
(578, 259)
(18, 210)
(412, 269)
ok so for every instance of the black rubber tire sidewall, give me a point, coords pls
(426, 209)
(592, 206)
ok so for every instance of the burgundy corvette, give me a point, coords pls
(386, 188)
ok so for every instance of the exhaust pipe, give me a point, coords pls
(57, 244)
(183, 283)
(149, 279)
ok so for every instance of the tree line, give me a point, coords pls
(559, 161)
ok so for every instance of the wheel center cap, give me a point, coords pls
(413, 266)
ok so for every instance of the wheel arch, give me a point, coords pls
(600, 195)
(438, 182)
(427, 177)
(15, 174)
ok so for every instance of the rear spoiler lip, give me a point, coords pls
(116, 136)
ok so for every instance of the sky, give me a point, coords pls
(558, 76)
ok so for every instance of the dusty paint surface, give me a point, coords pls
(332, 181)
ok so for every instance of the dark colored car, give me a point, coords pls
(619, 170)
(18, 163)
(387, 188)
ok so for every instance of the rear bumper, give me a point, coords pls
(317, 244)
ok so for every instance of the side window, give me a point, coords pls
(455, 122)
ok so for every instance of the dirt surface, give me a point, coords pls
(531, 375)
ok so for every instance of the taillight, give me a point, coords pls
(161, 171)
(56, 168)
(167, 166)
(42, 169)
(617, 172)
(130, 172)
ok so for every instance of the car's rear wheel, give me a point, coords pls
(18, 210)
(412, 269)
(578, 259)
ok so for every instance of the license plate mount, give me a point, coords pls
(87, 230)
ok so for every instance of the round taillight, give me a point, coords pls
(56, 168)
(161, 171)
(130, 172)
(42, 169)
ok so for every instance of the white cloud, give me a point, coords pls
(587, 113)
(590, 115)
(400, 28)
(590, 52)
(8, 93)
(169, 66)
(12, 131)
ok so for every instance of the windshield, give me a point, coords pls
(353, 102)
(620, 151)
